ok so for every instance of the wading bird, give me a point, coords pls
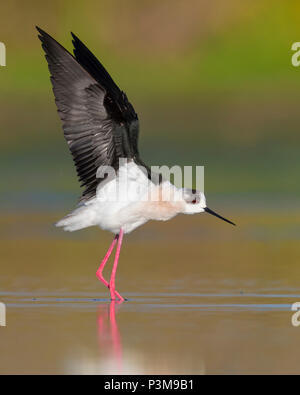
(101, 128)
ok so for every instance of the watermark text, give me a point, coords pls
(2, 54)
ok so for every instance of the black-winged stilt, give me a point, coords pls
(101, 129)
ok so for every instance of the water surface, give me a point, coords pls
(203, 298)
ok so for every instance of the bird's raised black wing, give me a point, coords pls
(116, 100)
(99, 123)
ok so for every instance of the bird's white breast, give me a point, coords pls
(131, 199)
(127, 201)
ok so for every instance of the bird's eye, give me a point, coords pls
(194, 201)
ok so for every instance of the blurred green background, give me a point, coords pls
(213, 85)
(212, 82)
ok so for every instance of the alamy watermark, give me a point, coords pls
(295, 57)
(2, 54)
(2, 314)
(295, 317)
(138, 183)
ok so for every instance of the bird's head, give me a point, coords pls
(195, 202)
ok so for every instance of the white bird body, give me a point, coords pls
(128, 201)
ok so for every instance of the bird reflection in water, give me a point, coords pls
(108, 333)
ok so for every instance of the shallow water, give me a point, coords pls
(203, 298)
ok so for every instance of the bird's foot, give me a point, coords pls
(115, 294)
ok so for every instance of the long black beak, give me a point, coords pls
(209, 211)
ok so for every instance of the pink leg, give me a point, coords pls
(113, 292)
(99, 272)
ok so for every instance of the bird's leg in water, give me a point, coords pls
(99, 272)
(113, 292)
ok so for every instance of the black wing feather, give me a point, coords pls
(116, 100)
(99, 123)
